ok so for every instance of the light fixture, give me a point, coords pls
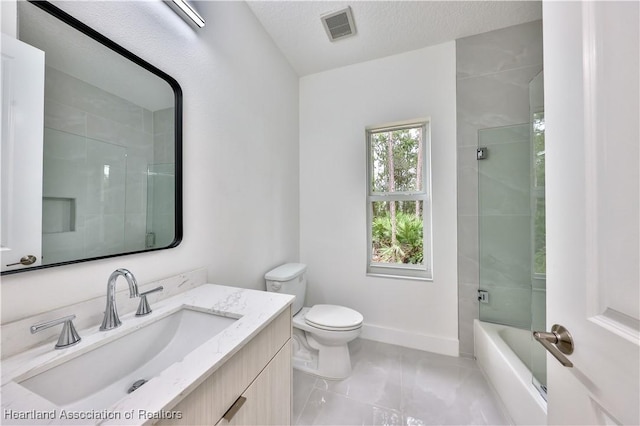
(189, 11)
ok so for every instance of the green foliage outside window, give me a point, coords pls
(407, 247)
(539, 224)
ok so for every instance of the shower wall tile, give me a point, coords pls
(468, 253)
(465, 335)
(104, 234)
(166, 223)
(539, 309)
(110, 124)
(76, 93)
(65, 158)
(136, 185)
(68, 246)
(64, 118)
(147, 121)
(134, 239)
(468, 177)
(502, 135)
(509, 48)
(61, 146)
(164, 152)
(506, 260)
(106, 167)
(107, 130)
(495, 100)
(164, 138)
(161, 199)
(493, 71)
(162, 204)
(163, 120)
(507, 305)
(467, 132)
(504, 179)
(468, 308)
(60, 87)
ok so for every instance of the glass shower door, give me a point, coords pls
(504, 216)
(538, 231)
(160, 205)
(511, 216)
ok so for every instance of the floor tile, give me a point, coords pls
(302, 386)
(392, 385)
(328, 408)
(382, 416)
(375, 377)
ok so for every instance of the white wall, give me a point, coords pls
(8, 10)
(240, 152)
(335, 108)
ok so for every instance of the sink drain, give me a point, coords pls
(136, 385)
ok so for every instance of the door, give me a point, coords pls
(21, 154)
(267, 401)
(592, 163)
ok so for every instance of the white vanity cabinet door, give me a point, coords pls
(268, 399)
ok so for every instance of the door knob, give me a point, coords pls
(558, 342)
(25, 260)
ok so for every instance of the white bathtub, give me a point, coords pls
(501, 352)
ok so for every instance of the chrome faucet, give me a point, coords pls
(111, 319)
(69, 335)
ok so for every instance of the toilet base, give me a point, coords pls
(326, 362)
(304, 357)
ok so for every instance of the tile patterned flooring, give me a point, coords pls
(392, 385)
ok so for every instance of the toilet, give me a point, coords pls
(321, 332)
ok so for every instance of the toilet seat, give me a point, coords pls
(333, 318)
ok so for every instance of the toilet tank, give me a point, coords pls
(290, 278)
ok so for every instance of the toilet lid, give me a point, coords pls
(333, 317)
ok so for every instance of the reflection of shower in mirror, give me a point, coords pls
(109, 118)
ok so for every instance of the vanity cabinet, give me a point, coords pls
(267, 398)
(260, 372)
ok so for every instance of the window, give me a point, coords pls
(539, 221)
(398, 201)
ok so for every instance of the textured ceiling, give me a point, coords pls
(384, 27)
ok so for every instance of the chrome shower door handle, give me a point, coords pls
(558, 343)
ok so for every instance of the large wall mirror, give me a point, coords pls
(106, 146)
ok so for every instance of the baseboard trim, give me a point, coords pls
(407, 339)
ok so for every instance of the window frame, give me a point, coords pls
(422, 272)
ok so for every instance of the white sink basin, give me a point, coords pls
(98, 378)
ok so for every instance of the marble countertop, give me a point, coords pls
(253, 309)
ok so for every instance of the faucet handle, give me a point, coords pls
(143, 307)
(68, 337)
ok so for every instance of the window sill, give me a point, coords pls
(398, 277)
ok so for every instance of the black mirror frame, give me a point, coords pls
(177, 91)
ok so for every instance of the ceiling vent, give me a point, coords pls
(339, 25)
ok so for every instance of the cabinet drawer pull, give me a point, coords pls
(234, 408)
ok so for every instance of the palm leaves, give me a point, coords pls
(407, 247)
